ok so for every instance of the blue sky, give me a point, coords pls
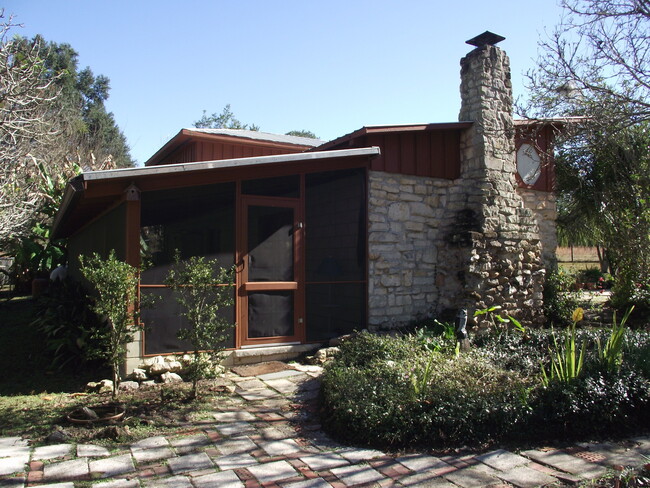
(330, 67)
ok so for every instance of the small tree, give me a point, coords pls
(116, 287)
(202, 289)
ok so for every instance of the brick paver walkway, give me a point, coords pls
(253, 440)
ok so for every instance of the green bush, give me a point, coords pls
(390, 392)
(559, 298)
(366, 348)
(599, 403)
(369, 396)
(72, 330)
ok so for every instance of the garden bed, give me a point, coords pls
(399, 392)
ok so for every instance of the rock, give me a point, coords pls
(322, 355)
(170, 378)
(106, 386)
(148, 384)
(129, 385)
(174, 366)
(158, 368)
(147, 363)
(103, 386)
(337, 341)
(138, 374)
(58, 436)
(89, 413)
(113, 432)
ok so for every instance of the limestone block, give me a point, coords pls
(159, 368)
(170, 378)
(399, 211)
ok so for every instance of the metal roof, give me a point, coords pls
(225, 163)
(261, 136)
(76, 186)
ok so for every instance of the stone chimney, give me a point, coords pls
(494, 239)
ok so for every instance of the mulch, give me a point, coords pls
(260, 368)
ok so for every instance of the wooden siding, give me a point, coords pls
(198, 151)
(540, 137)
(434, 154)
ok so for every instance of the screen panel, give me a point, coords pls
(270, 314)
(193, 222)
(162, 320)
(270, 243)
(334, 309)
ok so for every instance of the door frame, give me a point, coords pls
(244, 286)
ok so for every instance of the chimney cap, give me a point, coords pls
(486, 39)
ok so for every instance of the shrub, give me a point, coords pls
(389, 392)
(116, 286)
(72, 330)
(370, 396)
(516, 352)
(366, 348)
(559, 298)
(599, 403)
(202, 289)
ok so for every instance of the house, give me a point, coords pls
(373, 229)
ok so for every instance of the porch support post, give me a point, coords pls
(132, 257)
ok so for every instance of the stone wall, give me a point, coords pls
(500, 261)
(543, 205)
(405, 216)
(437, 246)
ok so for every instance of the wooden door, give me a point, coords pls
(271, 286)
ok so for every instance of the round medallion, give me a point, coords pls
(529, 164)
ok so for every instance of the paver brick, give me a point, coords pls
(312, 483)
(283, 386)
(236, 416)
(421, 462)
(150, 443)
(189, 462)
(146, 456)
(324, 461)
(12, 442)
(66, 470)
(274, 471)
(502, 460)
(427, 480)
(91, 450)
(281, 447)
(287, 373)
(173, 482)
(235, 461)
(358, 455)
(13, 465)
(525, 477)
(473, 477)
(357, 474)
(58, 485)
(249, 385)
(235, 428)
(16, 482)
(261, 394)
(224, 479)
(111, 466)
(190, 443)
(52, 452)
(565, 462)
(235, 445)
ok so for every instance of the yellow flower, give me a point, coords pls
(578, 314)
